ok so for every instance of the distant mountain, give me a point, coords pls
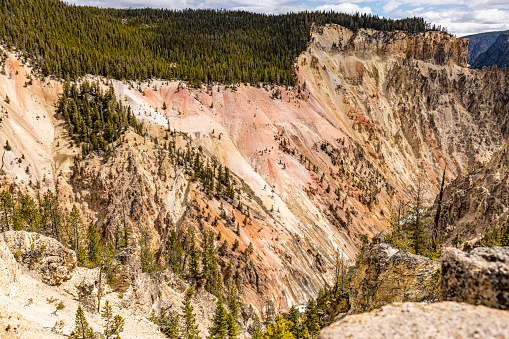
(497, 54)
(480, 43)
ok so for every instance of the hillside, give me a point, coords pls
(497, 54)
(479, 43)
(312, 168)
(477, 199)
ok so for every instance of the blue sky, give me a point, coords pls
(460, 17)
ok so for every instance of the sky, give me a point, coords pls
(460, 17)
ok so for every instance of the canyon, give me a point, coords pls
(373, 122)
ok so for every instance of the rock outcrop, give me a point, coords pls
(480, 277)
(336, 308)
(45, 255)
(384, 274)
(438, 48)
(414, 320)
(476, 200)
(32, 309)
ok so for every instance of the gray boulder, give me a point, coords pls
(479, 278)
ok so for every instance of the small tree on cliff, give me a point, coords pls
(279, 329)
(311, 319)
(189, 328)
(114, 325)
(94, 245)
(219, 329)
(82, 329)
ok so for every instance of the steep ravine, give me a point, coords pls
(374, 114)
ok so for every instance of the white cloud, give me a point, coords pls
(345, 7)
(390, 6)
(480, 4)
(462, 20)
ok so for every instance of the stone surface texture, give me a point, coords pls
(384, 275)
(480, 277)
(45, 255)
(417, 320)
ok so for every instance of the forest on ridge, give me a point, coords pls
(197, 46)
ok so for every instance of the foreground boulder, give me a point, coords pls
(414, 320)
(480, 277)
(384, 275)
(45, 255)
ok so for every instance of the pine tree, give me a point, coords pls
(279, 329)
(209, 264)
(233, 305)
(293, 316)
(76, 225)
(341, 278)
(114, 324)
(219, 328)
(167, 322)
(94, 245)
(311, 319)
(7, 210)
(233, 328)
(147, 258)
(189, 330)
(257, 327)
(418, 238)
(193, 254)
(51, 215)
(82, 330)
(29, 214)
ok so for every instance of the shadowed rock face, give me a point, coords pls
(476, 200)
(384, 274)
(480, 277)
(413, 320)
(45, 255)
(497, 54)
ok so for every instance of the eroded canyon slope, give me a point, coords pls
(476, 199)
(375, 114)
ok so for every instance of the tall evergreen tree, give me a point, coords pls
(51, 215)
(168, 322)
(189, 329)
(311, 319)
(219, 328)
(76, 226)
(257, 327)
(7, 210)
(94, 245)
(193, 255)
(82, 329)
(233, 328)
(114, 325)
(293, 316)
